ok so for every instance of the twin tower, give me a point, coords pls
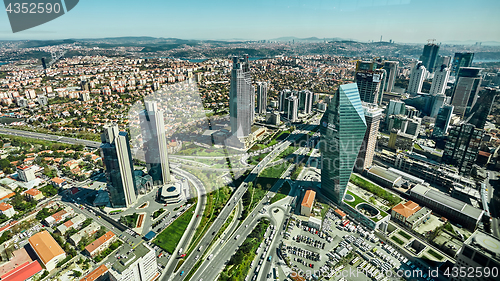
(123, 182)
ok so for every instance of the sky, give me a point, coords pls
(403, 21)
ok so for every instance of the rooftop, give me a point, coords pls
(308, 198)
(485, 243)
(99, 241)
(407, 209)
(96, 273)
(33, 192)
(5, 206)
(45, 246)
(384, 173)
(23, 272)
(139, 251)
(447, 200)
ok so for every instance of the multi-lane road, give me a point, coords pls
(243, 232)
(224, 214)
(47, 137)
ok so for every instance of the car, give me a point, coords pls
(182, 272)
(183, 255)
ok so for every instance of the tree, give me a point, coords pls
(77, 273)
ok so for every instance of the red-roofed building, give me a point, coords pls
(34, 194)
(7, 209)
(100, 273)
(410, 214)
(340, 214)
(307, 203)
(100, 244)
(58, 182)
(23, 272)
(483, 158)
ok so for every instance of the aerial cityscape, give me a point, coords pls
(254, 156)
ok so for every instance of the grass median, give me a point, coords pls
(170, 236)
(216, 200)
(239, 265)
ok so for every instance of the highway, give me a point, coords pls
(193, 224)
(47, 137)
(210, 269)
(226, 211)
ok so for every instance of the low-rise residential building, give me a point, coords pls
(47, 249)
(7, 209)
(85, 232)
(34, 194)
(72, 223)
(139, 265)
(410, 214)
(307, 203)
(26, 173)
(58, 182)
(99, 274)
(59, 216)
(100, 244)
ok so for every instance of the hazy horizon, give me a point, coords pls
(403, 21)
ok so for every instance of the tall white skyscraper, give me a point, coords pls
(261, 97)
(241, 98)
(417, 77)
(441, 75)
(155, 143)
(117, 160)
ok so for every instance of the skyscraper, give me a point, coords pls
(440, 80)
(466, 88)
(417, 76)
(284, 94)
(241, 98)
(446, 60)
(461, 60)
(373, 114)
(462, 146)
(118, 167)
(305, 101)
(292, 108)
(479, 113)
(437, 102)
(155, 143)
(342, 128)
(395, 107)
(261, 97)
(391, 68)
(370, 79)
(442, 122)
(429, 56)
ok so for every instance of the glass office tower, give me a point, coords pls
(342, 130)
(118, 167)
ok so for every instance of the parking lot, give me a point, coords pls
(340, 245)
